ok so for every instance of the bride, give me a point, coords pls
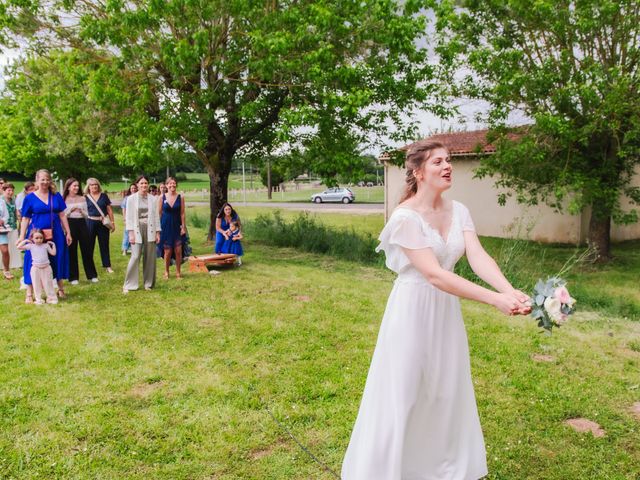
(418, 418)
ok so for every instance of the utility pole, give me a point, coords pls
(269, 179)
(244, 186)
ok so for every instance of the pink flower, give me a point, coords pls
(562, 294)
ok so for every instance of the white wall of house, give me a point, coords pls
(538, 223)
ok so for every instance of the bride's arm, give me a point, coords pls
(427, 264)
(486, 267)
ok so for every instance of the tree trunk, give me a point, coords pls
(599, 236)
(218, 190)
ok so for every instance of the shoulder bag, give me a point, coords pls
(106, 221)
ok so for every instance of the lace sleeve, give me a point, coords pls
(403, 230)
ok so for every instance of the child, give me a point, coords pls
(41, 273)
(235, 235)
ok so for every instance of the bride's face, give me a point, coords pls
(436, 172)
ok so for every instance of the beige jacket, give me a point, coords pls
(132, 220)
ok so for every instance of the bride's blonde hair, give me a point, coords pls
(418, 153)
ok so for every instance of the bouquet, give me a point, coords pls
(552, 303)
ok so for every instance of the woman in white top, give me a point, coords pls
(418, 417)
(77, 214)
(143, 223)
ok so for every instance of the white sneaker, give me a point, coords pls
(94, 280)
(23, 286)
(73, 282)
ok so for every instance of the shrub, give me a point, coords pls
(309, 234)
(197, 221)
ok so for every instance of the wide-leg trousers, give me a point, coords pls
(42, 281)
(147, 251)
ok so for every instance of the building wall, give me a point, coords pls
(538, 223)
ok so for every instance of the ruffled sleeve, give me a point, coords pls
(404, 229)
(465, 218)
(59, 204)
(27, 206)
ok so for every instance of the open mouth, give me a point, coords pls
(447, 176)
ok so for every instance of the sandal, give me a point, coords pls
(61, 293)
(29, 298)
(8, 275)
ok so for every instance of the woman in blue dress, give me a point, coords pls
(44, 208)
(173, 226)
(226, 215)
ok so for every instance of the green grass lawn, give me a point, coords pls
(176, 383)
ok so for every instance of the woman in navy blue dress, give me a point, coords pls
(173, 224)
(44, 208)
(226, 215)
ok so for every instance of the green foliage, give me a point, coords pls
(570, 68)
(223, 76)
(308, 234)
(196, 220)
(75, 117)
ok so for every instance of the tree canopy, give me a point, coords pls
(229, 76)
(72, 116)
(571, 68)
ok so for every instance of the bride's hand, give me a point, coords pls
(508, 303)
(525, 302)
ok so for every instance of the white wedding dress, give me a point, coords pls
(418, 418)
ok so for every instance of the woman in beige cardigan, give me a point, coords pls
(143, 224)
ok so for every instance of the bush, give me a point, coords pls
(181, 177)
(308, 234)
(197, 221)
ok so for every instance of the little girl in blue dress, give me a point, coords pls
(232, 244)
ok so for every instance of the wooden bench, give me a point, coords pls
(198, 263)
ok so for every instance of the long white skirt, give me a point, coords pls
(418, 418)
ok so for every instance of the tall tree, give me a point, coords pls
(235, 75)
(571, 67)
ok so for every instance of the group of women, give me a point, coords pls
(75, 219)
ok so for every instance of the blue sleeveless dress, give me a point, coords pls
(170, 223)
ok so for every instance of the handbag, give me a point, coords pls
(106, 221)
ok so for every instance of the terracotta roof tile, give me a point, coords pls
(462, 143)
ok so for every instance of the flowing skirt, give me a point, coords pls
(418, 418)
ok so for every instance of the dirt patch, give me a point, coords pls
(583, 425)
(143, 390)
(265, 452)
(302, 298)
(541, 357)
(635, 410)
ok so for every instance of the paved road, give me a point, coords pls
(352, 208)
